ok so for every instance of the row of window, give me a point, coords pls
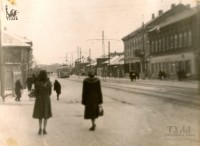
(12, 57)
(135, 43)
(171, 67)
(175, 41)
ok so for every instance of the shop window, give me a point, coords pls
(188, 66)
(152, 68)
(159, 67)
(180, 40)
(172, 66)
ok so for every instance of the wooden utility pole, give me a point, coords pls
(90, 57)
(72, 60)
(198, 45)
(103, 45)
(66, 59)
(1, 61)
(109, 58)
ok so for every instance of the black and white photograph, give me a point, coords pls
(99, 72)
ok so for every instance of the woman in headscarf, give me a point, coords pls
(92, 98)
(42, 108)
(57, 88)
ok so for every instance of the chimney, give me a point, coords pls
(173, 6)
(153, 16)
(160, 12)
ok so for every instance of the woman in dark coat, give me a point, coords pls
(91, 98)
(18, 88)
(42, 108)
(57, 88)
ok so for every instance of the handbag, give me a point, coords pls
(101, 111)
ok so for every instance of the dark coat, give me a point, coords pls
(18, 88)
(57, 87)
(29, 82)
(42, 108)
(91, 97)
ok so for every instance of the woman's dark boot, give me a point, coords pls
(44, 131)
(92, 128)
(40, 131)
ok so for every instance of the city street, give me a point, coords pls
(136, 114)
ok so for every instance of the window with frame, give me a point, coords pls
(171, 42)
(185, 39)
(175, 41)
(159, 46)
(167, 43)
(188, 66)
(180, 40)
(152, 47)
(163, 44)
(189, 38)
(152, 68)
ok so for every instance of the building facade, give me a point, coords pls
(16, 52)
(136, 44)
(173, 47)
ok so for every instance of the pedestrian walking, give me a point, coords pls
(18, 90)
(132, 76)
(29, 83)
(57, 88)
(92, 98)
(42, 107)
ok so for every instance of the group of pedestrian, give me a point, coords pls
(91, 98)
(162, 75)
(181, 74)
(30, 82)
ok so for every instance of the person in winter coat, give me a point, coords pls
(18, 88)
(91, 98)
(57, 88)
(132, 76)
(29, 83)
(42, 107)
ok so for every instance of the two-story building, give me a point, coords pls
(136, 44)
(174, 47)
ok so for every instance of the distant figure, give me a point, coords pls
(162, 75)
(132, 76)
(92, 98)
(18, 88)
(29, 83)
(57, 88)
(42, 108)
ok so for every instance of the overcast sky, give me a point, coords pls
(57, 27)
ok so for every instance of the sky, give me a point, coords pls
(58, 27)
